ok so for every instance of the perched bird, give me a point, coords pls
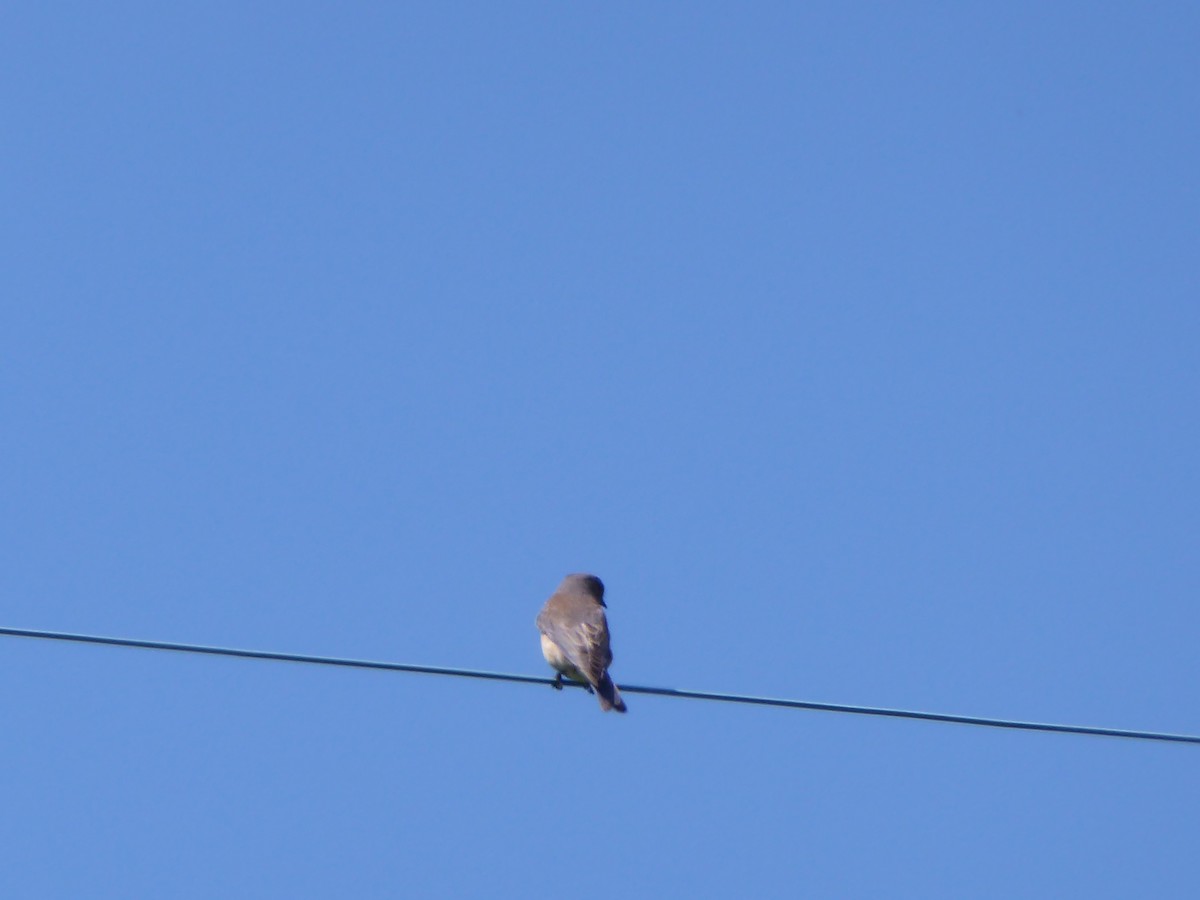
(575, 637)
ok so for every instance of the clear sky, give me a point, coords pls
(855, 346)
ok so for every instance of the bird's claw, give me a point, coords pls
(557, 682)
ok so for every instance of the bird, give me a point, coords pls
(574, 634)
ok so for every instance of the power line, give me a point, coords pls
(625, 688)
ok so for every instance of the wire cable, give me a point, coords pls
(624, 688)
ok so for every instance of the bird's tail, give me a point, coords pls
(609, 696)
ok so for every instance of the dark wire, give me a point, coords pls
(625, 688)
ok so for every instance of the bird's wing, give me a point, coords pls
(584, 643)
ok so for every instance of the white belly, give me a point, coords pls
(555, 657)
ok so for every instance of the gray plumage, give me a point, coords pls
(575, 637)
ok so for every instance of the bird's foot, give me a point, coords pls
(557, 682)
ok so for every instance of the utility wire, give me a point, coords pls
(625, 688)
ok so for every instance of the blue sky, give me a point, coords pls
(855, 347)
